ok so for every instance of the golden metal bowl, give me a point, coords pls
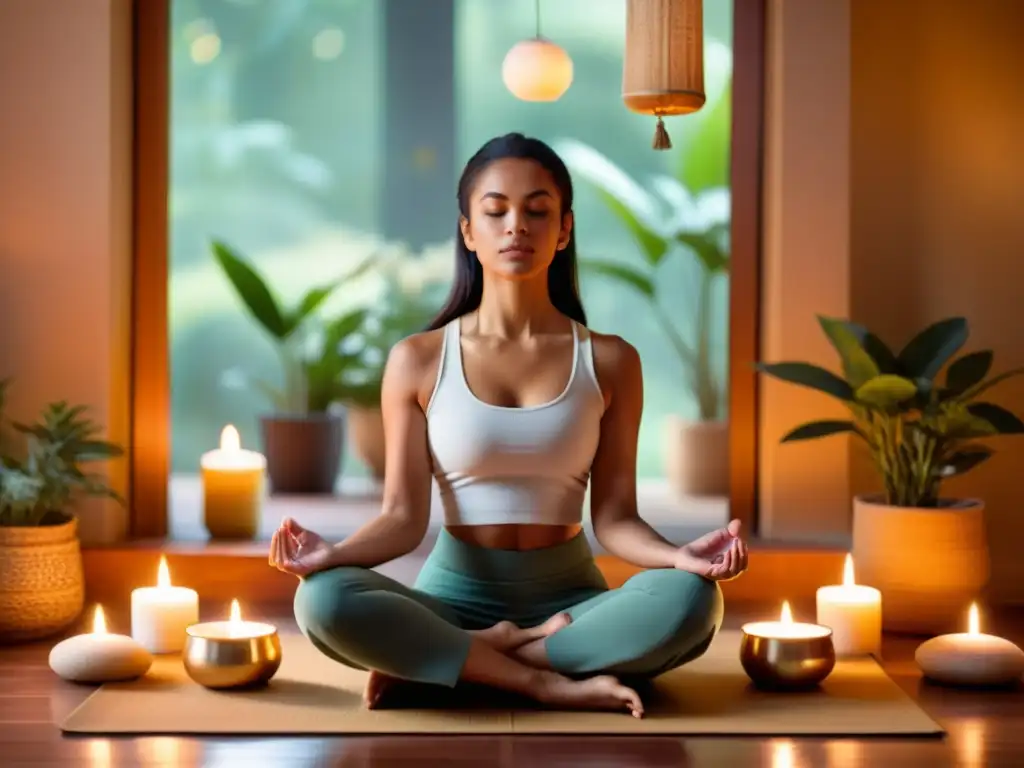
(787, 663)
(216, 659)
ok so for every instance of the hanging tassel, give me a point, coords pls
(661, 139)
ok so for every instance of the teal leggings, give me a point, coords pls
(658, 620)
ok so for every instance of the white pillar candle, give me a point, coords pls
(232, 488)
(854, 612)
(161, 614)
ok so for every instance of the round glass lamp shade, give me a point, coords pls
(537, 70)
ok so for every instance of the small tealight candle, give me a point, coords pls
(98, 656)
(232, 629)
(854, 613)
(970, 658)
(232, 488)
(161, 614)
(785, 628)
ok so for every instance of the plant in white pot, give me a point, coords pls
(41, 581)
(928, 554)
(666, 222)
(303, 436)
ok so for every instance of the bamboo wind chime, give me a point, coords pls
(663, 66)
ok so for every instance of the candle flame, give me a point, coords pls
(236, 612)
(973, 624)
(848, 580)
(787, 614)
(163, 574)
(99, 623)
(230, 439)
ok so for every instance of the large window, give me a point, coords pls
(310, 135)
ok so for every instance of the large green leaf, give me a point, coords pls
(858, 365)
(816, 429)
(884, 357)
(653, 245)
(932, 348)
(967, 371)
(704, 157)
(1002, 420)
(886, 391)
(808, 375)
(252, 290)
(621, 272)
(711, 256)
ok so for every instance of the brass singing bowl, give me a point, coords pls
(232, 662)
(785, 663)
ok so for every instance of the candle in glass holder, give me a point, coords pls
(232, 488)
(854, 614)
(161, 614)
(99, 656)
(971, 657)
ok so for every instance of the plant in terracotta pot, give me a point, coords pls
(927, 553)
(303, 436)
(41, 581)
(667, 222)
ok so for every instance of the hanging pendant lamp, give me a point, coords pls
(663, 65)
(537, 69)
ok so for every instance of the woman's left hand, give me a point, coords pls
(720, 555)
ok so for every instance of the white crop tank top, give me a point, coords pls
(506, 465)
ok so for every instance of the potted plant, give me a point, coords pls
(303, 436)
(399, 313)
(665, 222)
(41, 581)
(927, 553)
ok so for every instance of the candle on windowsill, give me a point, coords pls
(854, 613)
(232, 488)
(161, 614)
(971, 657)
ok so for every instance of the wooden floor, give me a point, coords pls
(985, 729)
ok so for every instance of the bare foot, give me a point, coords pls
(377, 684)
(506, 636)
(600, 692)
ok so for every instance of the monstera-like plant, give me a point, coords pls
(923, 417)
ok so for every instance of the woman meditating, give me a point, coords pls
(513, 406)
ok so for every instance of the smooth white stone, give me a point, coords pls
(99, 658)
(969, 659)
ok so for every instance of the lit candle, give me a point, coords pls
(232, 488)
(99, 656)
(785, 628)
(854, 613)
(232, 629)
(160, 614)
(970, 658)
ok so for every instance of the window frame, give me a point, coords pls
(149, 458)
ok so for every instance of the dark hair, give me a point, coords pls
(467, 288)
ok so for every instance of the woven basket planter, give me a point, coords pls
(42, 586)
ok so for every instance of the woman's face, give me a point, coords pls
(515, 224)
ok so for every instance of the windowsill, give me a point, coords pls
(358, 500)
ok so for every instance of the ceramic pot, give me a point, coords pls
(42, 585)
(365, 432)
(303, 452)
(928, 563)
(697, 457)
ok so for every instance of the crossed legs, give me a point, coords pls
(658, 620)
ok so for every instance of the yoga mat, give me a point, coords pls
(313, 695)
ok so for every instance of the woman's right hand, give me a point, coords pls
(297, 550)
